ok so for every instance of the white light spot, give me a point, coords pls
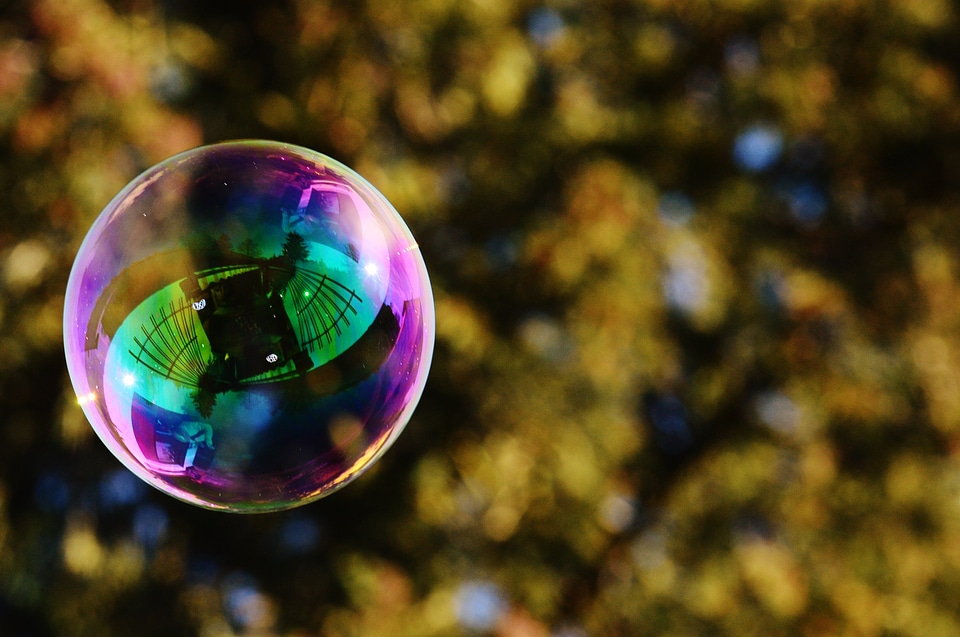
(128, 380)
(25, 265)
(371, 269)
(778, 411)
(617, 512)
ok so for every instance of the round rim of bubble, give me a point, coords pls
(428, 316)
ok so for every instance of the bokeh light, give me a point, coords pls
(696, 272)
(758, 147)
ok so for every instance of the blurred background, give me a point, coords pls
(697, 270)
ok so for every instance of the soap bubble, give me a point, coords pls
(248, 326)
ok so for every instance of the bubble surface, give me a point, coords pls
(248, 326)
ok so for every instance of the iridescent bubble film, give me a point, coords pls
(248, 326)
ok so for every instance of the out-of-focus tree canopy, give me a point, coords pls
(697, 270)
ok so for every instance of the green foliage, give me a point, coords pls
(671, 396)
